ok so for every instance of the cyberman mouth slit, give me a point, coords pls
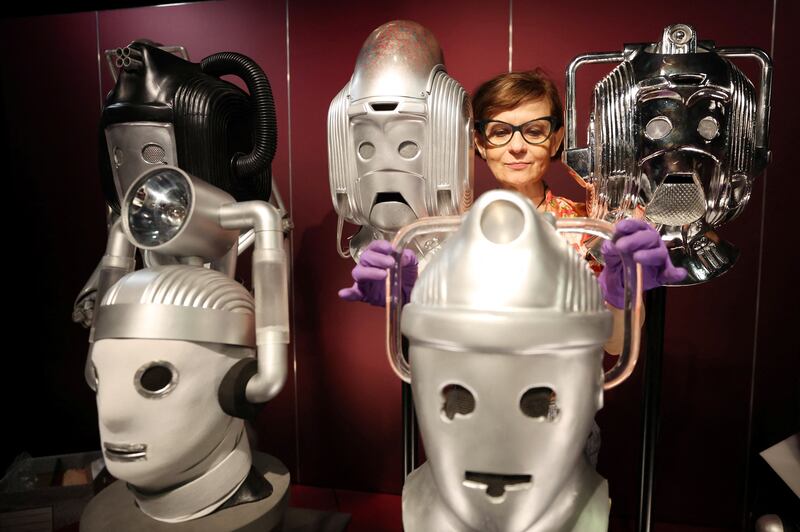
(383, 197)
(125, 452)
(496, 485)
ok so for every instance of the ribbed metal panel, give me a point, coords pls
(184, 286)
(614, 148)
(212, 122)
(581, 291)
(742, 126)
(341, 163)
(446, 163)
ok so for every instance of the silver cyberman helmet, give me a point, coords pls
(175, 215)
(505, 329)
(679, 132)
(399, 137)
(173, 352)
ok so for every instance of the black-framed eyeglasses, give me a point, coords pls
(534, 131)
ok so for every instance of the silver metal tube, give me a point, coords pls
(246, 240)
(272, 371)
(258, 215)
(394, 297)
(117, 261)
(270, 286)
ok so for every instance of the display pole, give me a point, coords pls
(655, 304)
(409, 432)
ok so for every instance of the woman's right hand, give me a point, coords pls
(370, 274)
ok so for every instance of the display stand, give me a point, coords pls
(115, 508)
(655, 305)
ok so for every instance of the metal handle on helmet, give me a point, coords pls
(585, 59)
(394, 299)
(765, 91)
(626, 362)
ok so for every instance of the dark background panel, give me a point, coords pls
(710, 329)
(776, 375)
(348, 397)
(55, 212)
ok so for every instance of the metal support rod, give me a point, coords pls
(655, 302)
(409, 432)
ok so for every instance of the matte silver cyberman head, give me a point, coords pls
(169, 212)
(399, 137)
(678, 132)
(505, 328)
(169, 342)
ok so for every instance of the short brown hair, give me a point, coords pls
(511, 89)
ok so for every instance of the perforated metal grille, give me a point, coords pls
(676, 204)
(154, 154)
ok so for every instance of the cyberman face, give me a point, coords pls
(503, 433)
(683, 127)
(388, 137)
(160, 422)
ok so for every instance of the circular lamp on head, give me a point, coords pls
(168, 211)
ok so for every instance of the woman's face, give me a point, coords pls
(519, 165)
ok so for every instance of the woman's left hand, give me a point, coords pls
(635, 240)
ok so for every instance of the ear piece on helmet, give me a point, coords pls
(232, 390)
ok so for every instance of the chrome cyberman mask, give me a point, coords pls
(678, 132)
(399, 137)
(505, 328)
(171, 343)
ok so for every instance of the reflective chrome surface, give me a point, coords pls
(167, 211)
(677, 135)
(399, 137)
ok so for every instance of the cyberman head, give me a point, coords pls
(505, 329)
(676, 132)
(173, 348)
(165, 110)
(399, 137)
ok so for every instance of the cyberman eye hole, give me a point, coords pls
(456, 401)
(408, 149)
(366, 150)
(540, 404)
(708, 127)
(155, 379)
(658, 128)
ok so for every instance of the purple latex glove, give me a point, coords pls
(370, 274)
(637, 240)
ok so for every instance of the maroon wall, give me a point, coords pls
(338, 421)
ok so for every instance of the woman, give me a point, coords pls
(518, 132)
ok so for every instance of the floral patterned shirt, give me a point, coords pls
(562, 207)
